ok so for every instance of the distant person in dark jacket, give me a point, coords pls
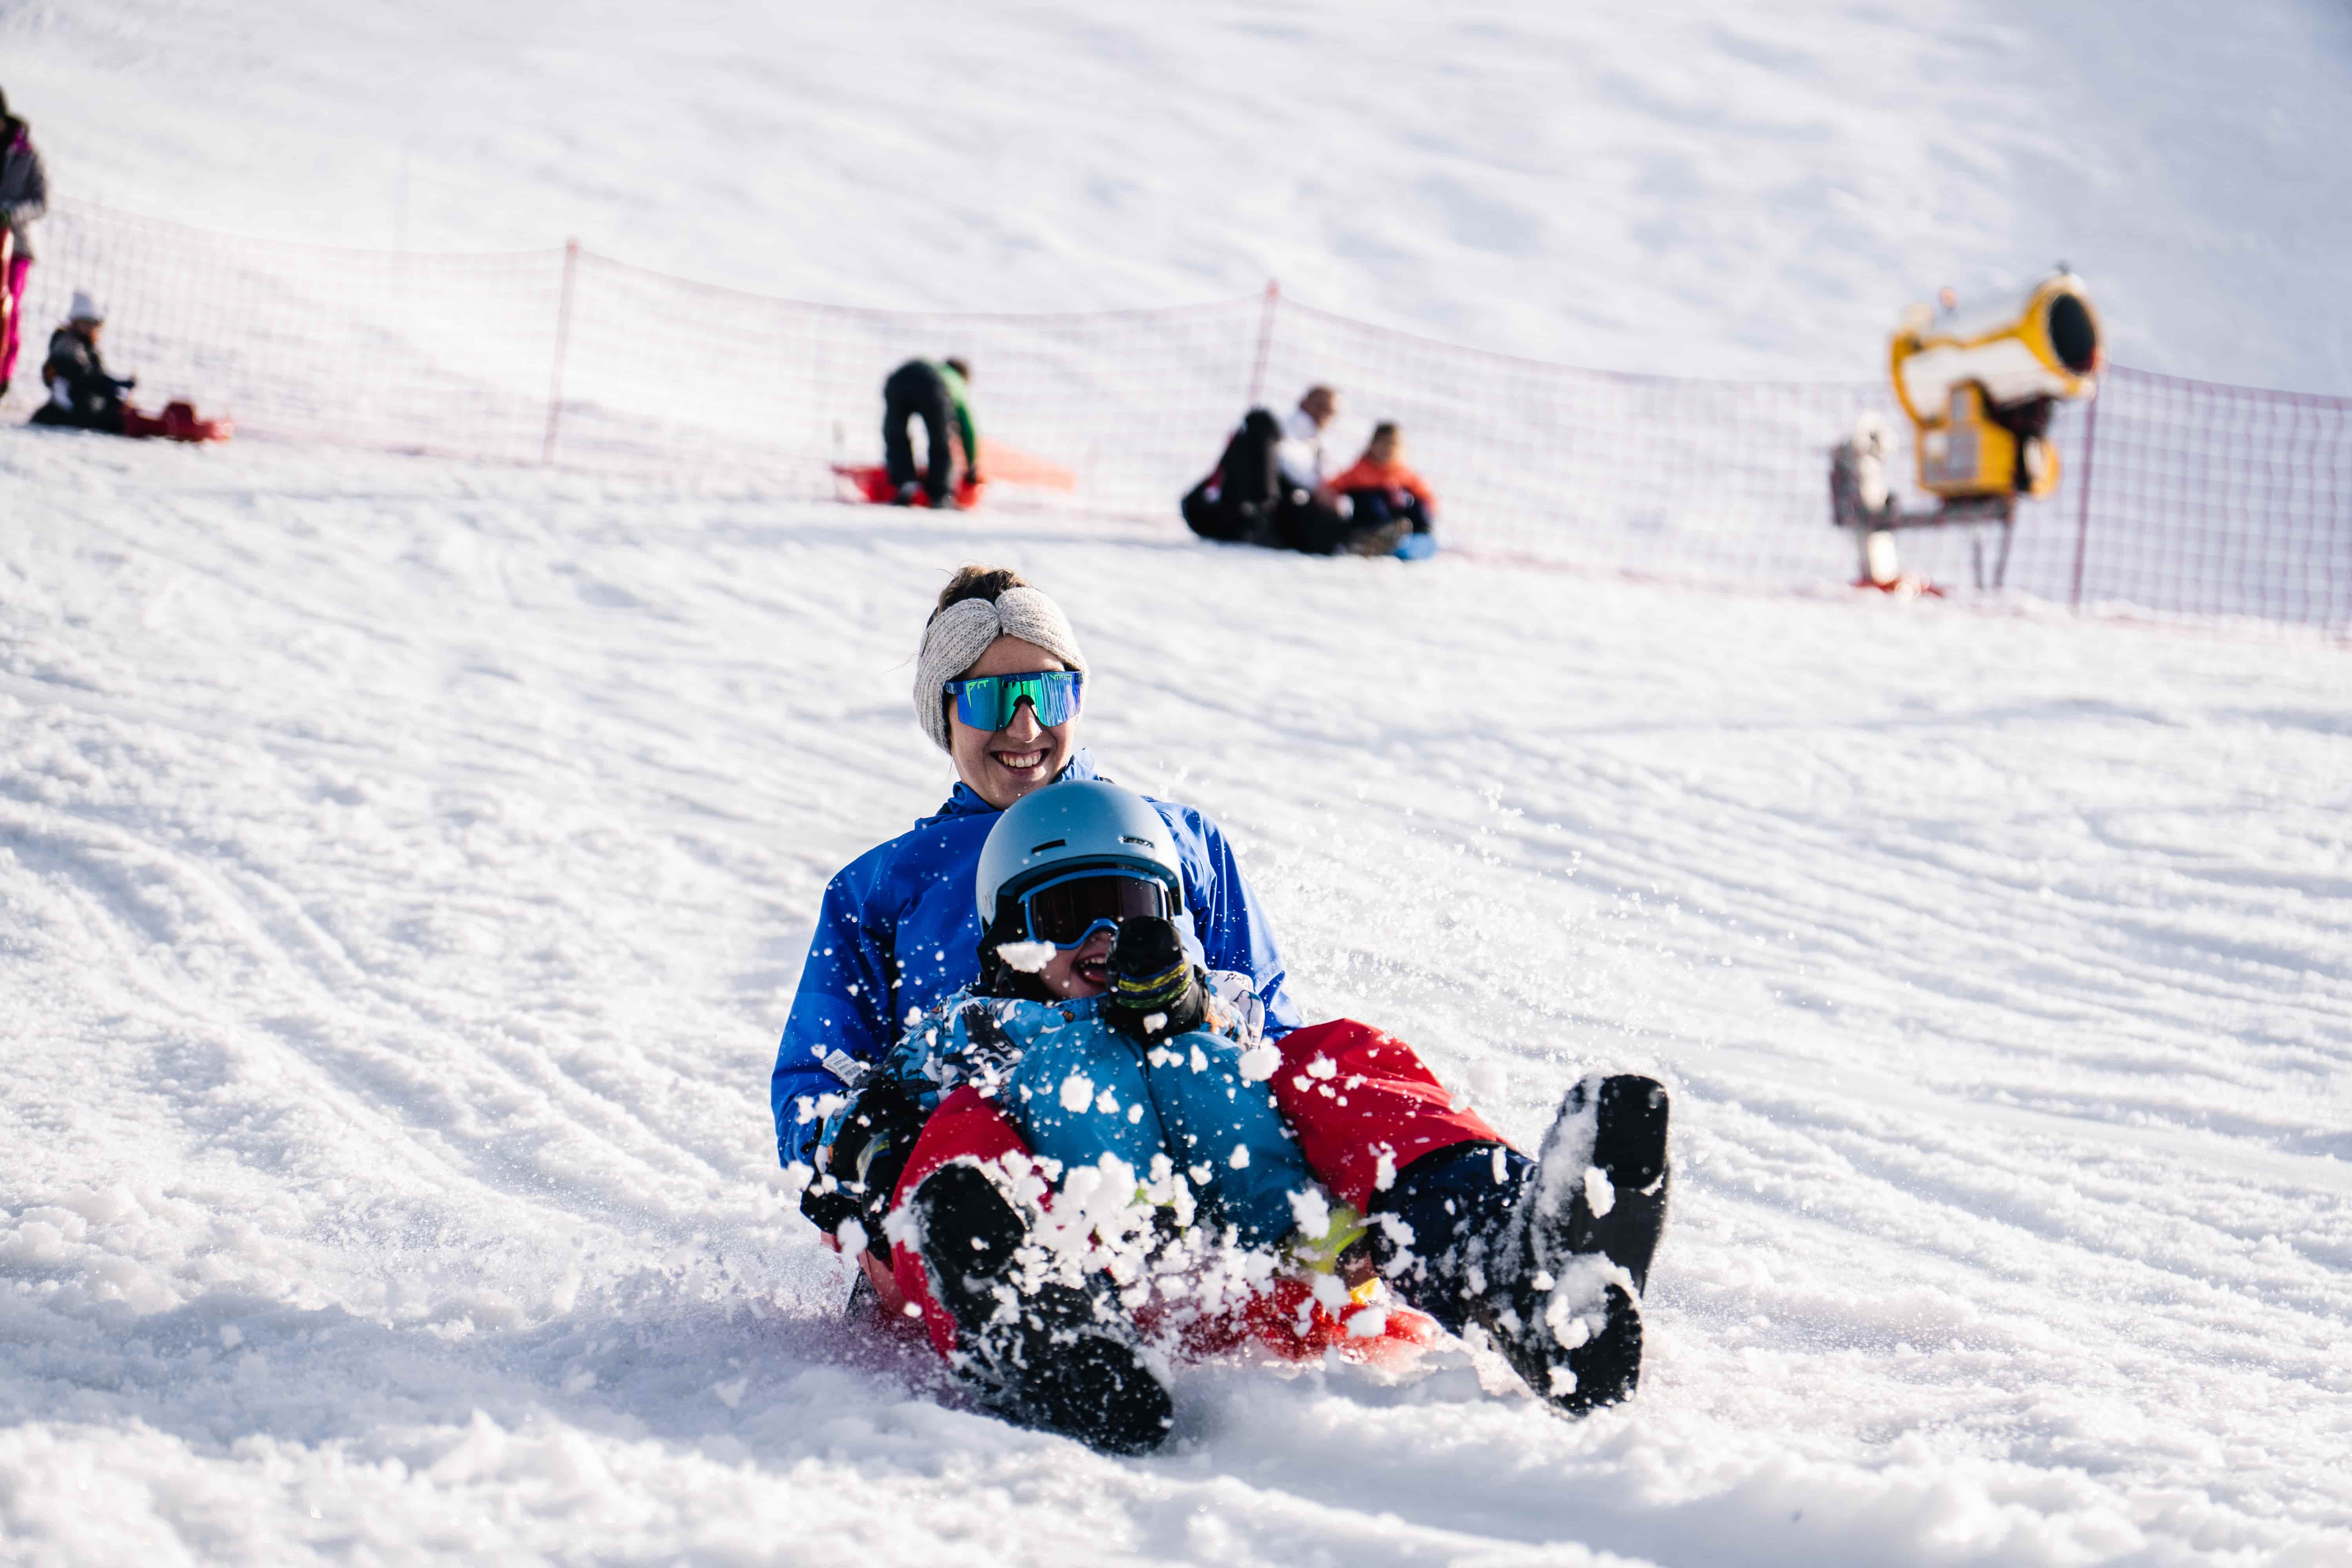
(938, 394)
(24, 197)
(1236, 504)
(83, 395)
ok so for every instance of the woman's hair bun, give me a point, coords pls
(987, 583)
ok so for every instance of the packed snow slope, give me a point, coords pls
(404, 867)
(1644, 184)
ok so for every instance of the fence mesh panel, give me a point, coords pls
(2179, 496)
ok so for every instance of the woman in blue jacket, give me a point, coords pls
(896, 932)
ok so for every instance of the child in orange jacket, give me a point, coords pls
(1383, 492)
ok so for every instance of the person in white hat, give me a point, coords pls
(82, 395)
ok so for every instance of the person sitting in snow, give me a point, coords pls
(81, 394)
(1238, 501)
(1084, 1116)
(938, 394)
(1389, 498)
(84, 397)
(1274, 487)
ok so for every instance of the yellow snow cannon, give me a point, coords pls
(1979, 386)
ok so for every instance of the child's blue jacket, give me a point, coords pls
(1078, 1088)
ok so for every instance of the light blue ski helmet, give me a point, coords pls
(1077, 825)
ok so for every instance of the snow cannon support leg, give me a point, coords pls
(1549, 1258)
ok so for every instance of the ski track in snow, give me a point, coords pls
(405, 867)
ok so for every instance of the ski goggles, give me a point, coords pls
(989, 701)
(1067, 912)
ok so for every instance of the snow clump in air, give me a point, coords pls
(1028, 957)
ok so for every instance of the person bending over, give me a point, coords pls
(938, 394)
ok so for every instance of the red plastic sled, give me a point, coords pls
(1007, 465)
(1906, 586)
(1287, 1323)
(1292, 1325)
(178, 422)
(871, 483)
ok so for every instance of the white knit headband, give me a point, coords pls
(961, 633)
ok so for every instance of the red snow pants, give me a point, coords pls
(1362, 1104)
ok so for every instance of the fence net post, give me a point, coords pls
(2083, 508)
(1264, 341)
(562, 341)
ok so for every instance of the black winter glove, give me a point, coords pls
(1155, 992)
(862, 1167)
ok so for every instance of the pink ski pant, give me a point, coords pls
(18, 267)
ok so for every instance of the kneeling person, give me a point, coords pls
(1096, 1125)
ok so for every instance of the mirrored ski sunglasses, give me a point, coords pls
(1070, 909)
(989, 701)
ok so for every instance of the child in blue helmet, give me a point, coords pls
(1096, 1127)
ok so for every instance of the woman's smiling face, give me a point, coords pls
(1005, 765)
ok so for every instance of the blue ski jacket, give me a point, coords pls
(898, 932)
(1190, 1117)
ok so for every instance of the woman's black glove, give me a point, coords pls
(862, 1167)
(1155, 992)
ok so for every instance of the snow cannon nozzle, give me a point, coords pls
(1979, 386)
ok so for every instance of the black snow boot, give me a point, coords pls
(1048, 1354)
(1549, 1258)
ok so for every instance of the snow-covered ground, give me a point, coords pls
(406, 866)
(1671, 186)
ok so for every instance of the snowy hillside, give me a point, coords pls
(405, 867)
(1683, 187)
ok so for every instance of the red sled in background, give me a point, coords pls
(178, 422)
(870, 482)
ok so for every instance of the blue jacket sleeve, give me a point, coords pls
(1233, 931)
(840, 1006)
